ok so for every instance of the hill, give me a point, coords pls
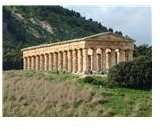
(29, 93)
(25, 26)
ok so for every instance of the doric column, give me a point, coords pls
(130, 55)
(46, 62)
(41, 62)
(90, 59)
(113, 58)
(122, 55)
(94, 58)
(74, 61)
(65, 61)
(50, 61)
(99, 59)
(79, 60)
(103, 59)
(99, 62)
(32, 63)
(85, 57)
(25, 63)
(55, 61)
(37, 62)
(69, 55)
(91, 64)
(60, 61)
(108, 58)
(28, 63)
(117, 56)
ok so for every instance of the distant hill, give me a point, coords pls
(25, 26)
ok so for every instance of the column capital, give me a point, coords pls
(108, 50)
(99, 51)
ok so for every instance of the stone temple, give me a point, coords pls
(92, 54)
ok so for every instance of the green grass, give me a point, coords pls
(30, 93)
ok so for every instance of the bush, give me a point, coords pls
(134, 74)
(88, 79)
(96, 80)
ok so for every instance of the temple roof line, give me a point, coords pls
(127, 38)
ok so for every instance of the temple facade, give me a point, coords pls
(92, 54)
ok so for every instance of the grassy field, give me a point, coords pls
(29, 93)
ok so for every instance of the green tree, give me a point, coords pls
(134, 74)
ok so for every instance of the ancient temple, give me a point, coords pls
(94, 54)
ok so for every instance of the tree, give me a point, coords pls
(110, 30)
(116, 32)
(90, 20)
(142, 50)
(120, 33)
(135, 74)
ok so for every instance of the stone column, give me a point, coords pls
(90, 59)
(45, 62)
(25, 63)
(28, 63)
(117, 56)
(130, 55)
(37, 62)
(41, 62)
(94, 58)
(99, 59)
(60, 61)
(50, 61)
(108, 58)
(32, 63)
(122, 55)
(113, 58)
(85, 57)
(79, 61)
(74, 61)
(91, 64)
(69, 54)
(103, 59)
(55, 61)
(65, 61)
(99, 62)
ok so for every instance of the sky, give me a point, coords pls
(132, 21)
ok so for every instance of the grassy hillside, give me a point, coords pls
(29, 93)
(25, 26)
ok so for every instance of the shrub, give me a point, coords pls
(88, 79)
(135, 74)
(96, 80)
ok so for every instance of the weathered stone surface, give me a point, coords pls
(94, 53)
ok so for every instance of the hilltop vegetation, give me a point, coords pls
(29, 93)
(25, 26)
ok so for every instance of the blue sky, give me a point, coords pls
(132, 21)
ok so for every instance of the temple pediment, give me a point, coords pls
(108, 36)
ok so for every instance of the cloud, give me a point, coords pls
(132, 21)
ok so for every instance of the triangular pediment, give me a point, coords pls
(108, 36)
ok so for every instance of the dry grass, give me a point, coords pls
(29, 96)
(29, 93)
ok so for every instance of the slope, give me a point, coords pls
(25, 26)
